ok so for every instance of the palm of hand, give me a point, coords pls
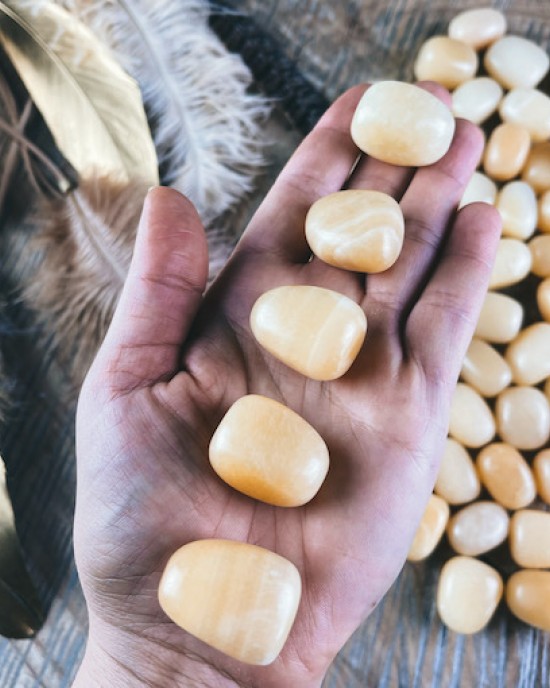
(384, 423)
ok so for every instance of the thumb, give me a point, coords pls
(161, 295)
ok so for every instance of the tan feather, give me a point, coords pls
(83, 246)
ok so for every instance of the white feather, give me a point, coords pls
(206, 125)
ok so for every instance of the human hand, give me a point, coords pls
(174, 361)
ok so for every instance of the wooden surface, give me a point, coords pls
(403, 644)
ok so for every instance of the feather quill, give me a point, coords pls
(82, 250)
(207, 126)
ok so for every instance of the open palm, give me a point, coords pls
(175, 359)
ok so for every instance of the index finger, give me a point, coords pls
(321, 165)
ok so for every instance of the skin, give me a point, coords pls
(175, 359)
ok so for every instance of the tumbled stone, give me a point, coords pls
(506, 151)
(529, 354)
(516, 62)
(356, 230)
(536, 170)
(540, 252)
(445, 60)
(468, 594)
(543, 298)
(517, 205)
(485, 369)
(530, 108)
(544, 212)
(528, 597)
(478, 528)
(238, 598)
(541, 469)
(476, 100)
(530, 538)
(457, 480)
(513, 262)
(471, 420)
(267, 451)
(506, 475)
(480, 189)
(500, 318)
(478, 27)
(430, 529)
(317, 332)
(523, 417)
(402, 124)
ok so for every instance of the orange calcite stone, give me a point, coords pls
(544, 212)
(528, 597)
(471, 421)
(541, 469)
(506, 151)
(506, 475)
(402, 124)
(530, 538)
(457, 480)
(543, 298)
(523, 417)
(500, 318)
(529, 108)
(430, 530)
(356, 230)
(238, 598)
(478, 528)
(540, 252)
(267, 451)
(445, 60)
(476, 100)
(529, 354)
(512, 263)
(516, 62)
(536, 170)
(317, 332)
(485, 369)
(468, 594)
(517, 205)
(478, 27)
(480, 189)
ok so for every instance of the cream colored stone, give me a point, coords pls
(512, 263)
(356, 230)
(544, 212)
(315, 331)
(238, 598)
(267, 451)
(506, 151)
(543, 298)
(530, 108)
(478, 27)
(506, 475)
(528, 597)
(541, 469)
(516, 62)
(468, 594)
(536, 170)
(478, 528)
(547, 389)
(517, 205)
(540, 252)
(445, 60)
(500, 318)
(530, 538)
(457, 480)
(402, 124)
(523, 417)
(430, 529)
(480, 189)
(476, 100)
(471, 421)
(529, 354)
(485, 369)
